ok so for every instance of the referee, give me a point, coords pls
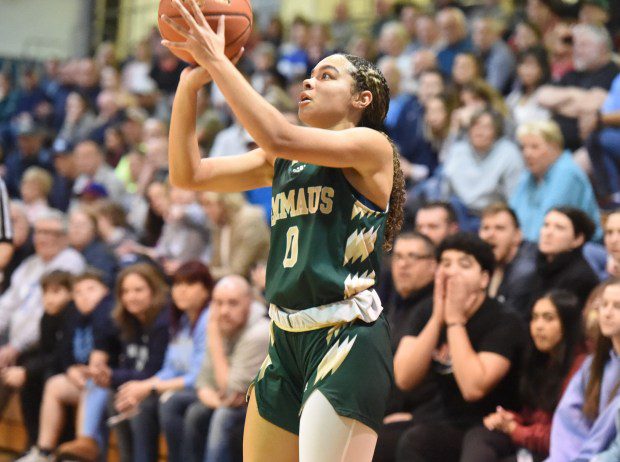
(6, 230)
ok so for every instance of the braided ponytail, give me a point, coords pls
(368, 77)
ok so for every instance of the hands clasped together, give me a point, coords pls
(453, 299)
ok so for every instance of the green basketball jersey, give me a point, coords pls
(325, 243)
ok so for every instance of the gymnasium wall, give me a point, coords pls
(138, 16)
(43, 28)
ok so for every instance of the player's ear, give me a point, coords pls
(363, 99)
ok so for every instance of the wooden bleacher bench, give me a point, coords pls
(13, 436)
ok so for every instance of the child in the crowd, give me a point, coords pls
(583, 423)
(33, 369)
(138, 438)
(555, 353)
(136, 353)
(89, 321)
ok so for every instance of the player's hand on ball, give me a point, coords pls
(204, 44)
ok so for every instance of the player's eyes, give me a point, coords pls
(325, 76)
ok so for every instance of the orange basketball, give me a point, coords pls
(238, 14)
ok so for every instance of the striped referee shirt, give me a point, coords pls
(6, 228)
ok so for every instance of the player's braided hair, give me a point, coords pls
(369, 78)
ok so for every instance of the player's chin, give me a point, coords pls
(309, 116)
(302, 113)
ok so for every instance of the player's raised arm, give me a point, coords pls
(343, 146)
(187, 169)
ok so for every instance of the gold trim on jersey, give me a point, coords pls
(334, 358)
(362, 211)
(358, 282)
(365, 306)
(360, 244)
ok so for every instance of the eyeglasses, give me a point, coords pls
(410, 257)
(49, 232)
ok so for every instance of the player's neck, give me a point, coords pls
(342, 125)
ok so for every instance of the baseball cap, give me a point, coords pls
(61, 147)
(92, 191)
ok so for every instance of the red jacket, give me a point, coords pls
(533, 430)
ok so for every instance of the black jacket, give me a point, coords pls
(46, 359)
(568, 271)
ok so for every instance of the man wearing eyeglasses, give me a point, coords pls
(21, 305)
(413, 270)
(413, 267)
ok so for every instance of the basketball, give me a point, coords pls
(238, 14)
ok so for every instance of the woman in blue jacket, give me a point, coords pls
(583, 423)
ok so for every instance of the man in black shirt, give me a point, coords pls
(413, 271)
(465, 347)
(576, 99)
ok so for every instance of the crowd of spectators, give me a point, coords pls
(133, 306)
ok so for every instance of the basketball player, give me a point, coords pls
(337, 196)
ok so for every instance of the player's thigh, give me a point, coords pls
(264, 441)
(326, 436)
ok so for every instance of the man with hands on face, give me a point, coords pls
(465, 345)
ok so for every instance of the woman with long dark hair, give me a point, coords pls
(135, 353)
(554, 354)
(583, 423)
(338, 193)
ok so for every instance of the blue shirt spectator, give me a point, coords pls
(446, 55)
(612, 454)
(574, 436)
(564, 183)
(293, 61)
(404, 122)
(453, 32)
(604, 148)
(83, 329)
(186, 351)
(497, 57)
